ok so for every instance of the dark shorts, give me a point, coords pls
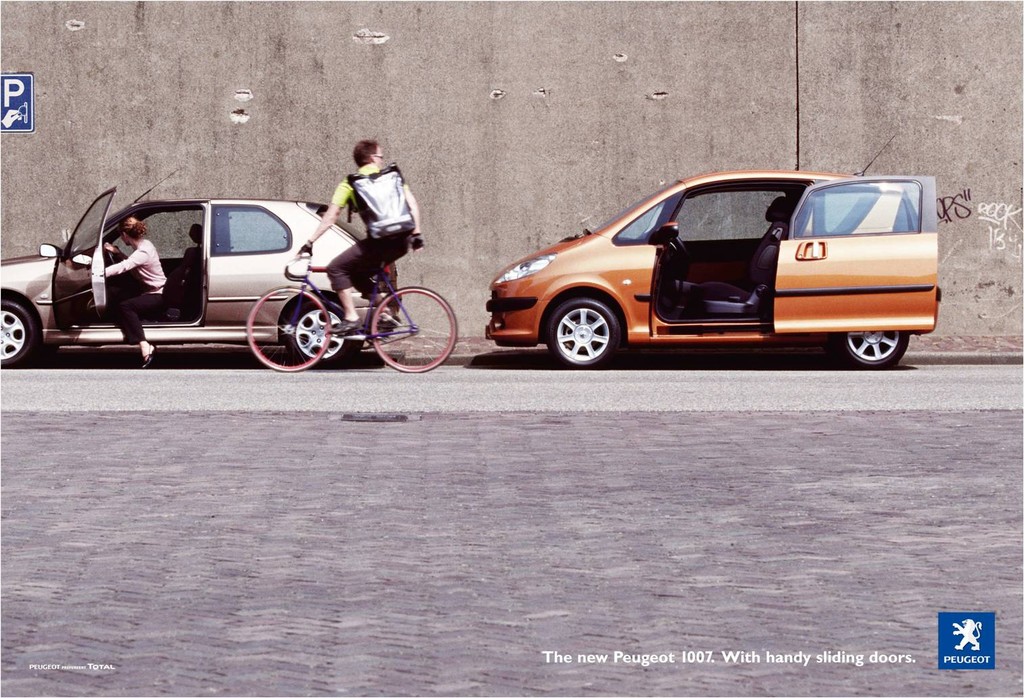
(356, 266)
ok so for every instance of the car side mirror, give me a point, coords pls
(49, 251)
(83, 259)
(664, 235)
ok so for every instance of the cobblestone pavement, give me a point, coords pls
(285, 554)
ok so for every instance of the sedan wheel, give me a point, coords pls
(583, 333)
(20, 334)
(870, 349)
(310, 335)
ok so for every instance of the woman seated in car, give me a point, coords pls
(144, 264)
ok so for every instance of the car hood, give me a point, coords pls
(558, 247)
(29, 276)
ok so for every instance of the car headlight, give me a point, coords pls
(527, 268)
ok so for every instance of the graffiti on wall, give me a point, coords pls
(1004, 228)
(953, 207)
(1003, 221)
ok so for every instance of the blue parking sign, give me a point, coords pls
(17, 113)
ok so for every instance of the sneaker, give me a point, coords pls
(344, 327)
(386, 323)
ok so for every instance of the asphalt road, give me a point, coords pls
(467, 531)
(779, 384)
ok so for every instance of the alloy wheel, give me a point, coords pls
(583, 334)
(873, 347)
(14, 335)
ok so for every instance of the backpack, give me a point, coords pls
(381, 202)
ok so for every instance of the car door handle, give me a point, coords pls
(811, 251)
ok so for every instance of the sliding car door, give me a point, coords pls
(862, 255)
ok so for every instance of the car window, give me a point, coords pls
(167, 229)
(624, 211)
(637, 232)
(726, 214)
(85, 237)
(248, 230)
(861, 208)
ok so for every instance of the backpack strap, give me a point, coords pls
(354, 202)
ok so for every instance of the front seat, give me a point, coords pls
(719, 297)
(183, 288)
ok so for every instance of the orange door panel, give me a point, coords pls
(845, 284)
(862, 256)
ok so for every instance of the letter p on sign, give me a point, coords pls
(17, 113)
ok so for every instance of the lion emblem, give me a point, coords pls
(970, 631)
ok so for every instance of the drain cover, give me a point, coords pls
(377, 417)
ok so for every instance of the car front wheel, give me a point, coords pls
(21, 334)
(870, 349)
(583, 333)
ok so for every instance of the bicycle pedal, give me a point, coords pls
(360, 337)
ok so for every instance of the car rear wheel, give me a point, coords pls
(21, 335)
(870, 349)
(583, 333)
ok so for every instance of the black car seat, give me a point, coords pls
(720, 297)
(674, 291)
(183, 290)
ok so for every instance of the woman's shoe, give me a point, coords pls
(147, 360)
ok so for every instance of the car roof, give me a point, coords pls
(738, 175)
(219, 199)
(314, 207)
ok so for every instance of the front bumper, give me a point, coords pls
(509, 305)
(514, 320)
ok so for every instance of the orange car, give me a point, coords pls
(753, 259)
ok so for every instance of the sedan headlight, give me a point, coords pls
(527, 268)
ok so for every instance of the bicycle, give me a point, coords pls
(289, 328)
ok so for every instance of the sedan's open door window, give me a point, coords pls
(79, 279)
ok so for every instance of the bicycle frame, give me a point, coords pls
(289, 328)
(381, 275)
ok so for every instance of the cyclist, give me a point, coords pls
(356, 266)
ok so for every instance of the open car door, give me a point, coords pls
(79, 279)
(862, 255)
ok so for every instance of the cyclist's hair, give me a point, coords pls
(133, 227)
(362, 152)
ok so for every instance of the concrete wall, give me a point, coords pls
(519, 123)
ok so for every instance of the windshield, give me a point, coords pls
(638, 229)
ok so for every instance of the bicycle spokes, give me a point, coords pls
(288, 331)
(414, 330)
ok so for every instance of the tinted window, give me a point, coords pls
(861, 208)
(248, 230)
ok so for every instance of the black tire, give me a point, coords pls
(286, 340)
(869, 350)
(22, 336)
(583, 333)
(414, 330)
